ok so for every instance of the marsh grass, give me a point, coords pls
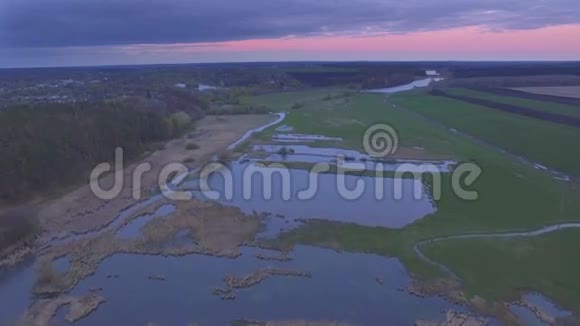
(47, 276)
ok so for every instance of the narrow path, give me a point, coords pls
(498, 235)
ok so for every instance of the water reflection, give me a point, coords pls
(287, 197)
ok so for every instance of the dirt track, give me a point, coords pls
(546, 116)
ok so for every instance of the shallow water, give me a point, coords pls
(403, 201)
(307, 154)
(296, 141)
(132, 230)
(16, 291)
(118, 220)
(342, 287)
(546, 305)
(304, 137)
(407, 87)
(526, 316)
(61, 264)
(285, 128)
(542, 302)
(274, 225)
(181, 239)
(308, 150)
(203, 87)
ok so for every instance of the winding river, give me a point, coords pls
(280, 117)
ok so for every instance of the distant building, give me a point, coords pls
(181, 85)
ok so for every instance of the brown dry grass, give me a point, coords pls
(81, 211)
(217, 230)
(41, 312)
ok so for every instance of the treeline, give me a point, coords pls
(515, 81)
(495, 69)
(17, 226)
(48, 146)
(365, 75)
(230, 109)
(391, 80)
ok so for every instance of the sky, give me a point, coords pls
(108, 32)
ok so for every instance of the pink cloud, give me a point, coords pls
(468, 43)
(470, 39)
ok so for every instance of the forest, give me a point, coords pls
(48, 146)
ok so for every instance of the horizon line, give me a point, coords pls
(292, 61)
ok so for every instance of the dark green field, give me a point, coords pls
(547, 143)
(546, 106)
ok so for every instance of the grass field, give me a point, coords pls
(548, 264)
(565, 91)
(547, 143)
(512, 196)
(546, 106)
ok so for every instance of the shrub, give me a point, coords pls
(192, 146)
(239, 109)
(47, 275)
(189, 160)
(297, 105)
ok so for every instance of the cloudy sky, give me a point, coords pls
(96, 32)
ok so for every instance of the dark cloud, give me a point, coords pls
(56, 23)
